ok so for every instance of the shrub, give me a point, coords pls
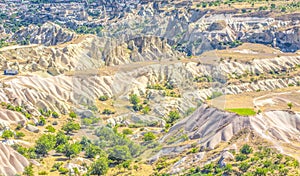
(42, 121)
(55, 115)
(7, 134)
(149, 136)
(146, 109)
(173, 116)
(108, 112)
(100, 166)
(72, 115)
(290, 105)
(127, 131)
(241, 157)
(19, 135)
(28, 171)
(63, 170)
(119, 153)
(103, 98)
(244, 166)
(261, 171)
(134, 99)
(56, 166)
(126, 164)
(137, 107)
(50, 129)
(246, 149)
(93, 108)
(43, 173)
(87, 121)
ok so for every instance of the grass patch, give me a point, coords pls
(242, 111)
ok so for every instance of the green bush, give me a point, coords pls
(149, 136)
(19, 135)
(99, 167)
(241, 157)
(42, 121)
(127, 131)
(50, 129)
(134, 99)
(103, 98)
(44, 144)
(173, 116)
(119, 153)
(73, 115)
(63, 170)
(43, 173)
(55, 115)
(246, 149)
(108, 112)
(7, 134)
(244, 166)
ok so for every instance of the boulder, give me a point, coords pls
(32, 128)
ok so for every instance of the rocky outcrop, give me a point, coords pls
(8, 117)
(47, 34)
(11, 161)
(195, 34)
(59, 92)
(87, 52)
(211, 126)
(32, 128)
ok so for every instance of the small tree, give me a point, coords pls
(61, 139)
(119, 153)
(290, 105)
(72, 150)
(91, 151)
(45, 143)
(71, 127)
(99, 167)
(7, 134)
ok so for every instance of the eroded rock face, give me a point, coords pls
(8, 117)
(211, 126)
(48, 34)
(11, 161)
(57, 93)
(194, 32)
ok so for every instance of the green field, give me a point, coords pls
(242, 111)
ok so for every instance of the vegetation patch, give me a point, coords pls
(242, 111)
